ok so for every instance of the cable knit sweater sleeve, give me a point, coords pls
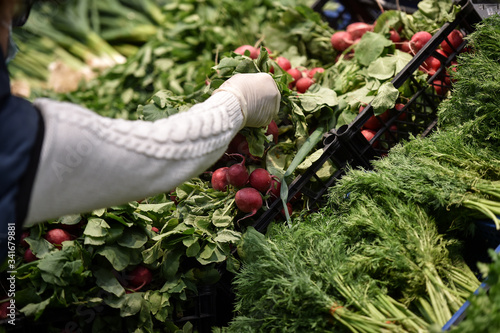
(89, 162)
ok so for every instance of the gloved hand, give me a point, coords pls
(258, 95)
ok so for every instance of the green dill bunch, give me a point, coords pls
(443, 173)
(474, 104)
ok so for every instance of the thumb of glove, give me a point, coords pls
(258, 95)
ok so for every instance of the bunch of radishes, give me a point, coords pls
(302, 77)
(343, 39)
(251, 187)
(374, 123)
(432, 64)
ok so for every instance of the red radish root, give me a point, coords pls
(219, 179)
(315, 70)
(57, 236)
(358, 29)
(284, 63)
(260, 179)
(303, 84)
(248, 200)
(274, 189)
(139, 277)
(369, 134)
(341, 40)
(418, 40)
(296, 75)
(22, 242)
(253, 52)
(455, 38)
(29, 256)
(237, 174)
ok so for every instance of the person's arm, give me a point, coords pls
(89, 162)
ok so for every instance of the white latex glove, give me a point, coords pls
(258, 95)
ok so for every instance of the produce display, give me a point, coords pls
(385, 251)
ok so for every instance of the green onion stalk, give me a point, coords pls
(73, 20)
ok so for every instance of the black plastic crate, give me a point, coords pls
(213, 306)
(346, 145)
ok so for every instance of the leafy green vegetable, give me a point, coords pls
(474, 103)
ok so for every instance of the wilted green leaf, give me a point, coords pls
(227, 236)
(385, 99)
(118, 256)
(96, 228)
(370, 47)
(133, 238)
(108, 282)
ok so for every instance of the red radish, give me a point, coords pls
(57, 236)
(341, 40)
(155, 229)
(305, 72)
(139, 277)
(3, 310)
(244, 150)
(239, 145)
(219, 179)
(236, 142)
(252, 51)
(29, 256)
(303, 84)
(22, 242)
(296, 197)
(358, 29)
(418, 40)
(274, 189)
(431, 65)
(369, 134)
(296, 75)
(455, 38)
(260, 179)
(443, 53)
(266, 48)
(272, 129)
(403, 114)
(394, 36)
(248, 200)
(315, 70)
(289, 208)
(237, 174)
(447, 79)
(173, 197)
(284, 63)
(392, 133)
(405, 46)
(439, 87)
(373, 122)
